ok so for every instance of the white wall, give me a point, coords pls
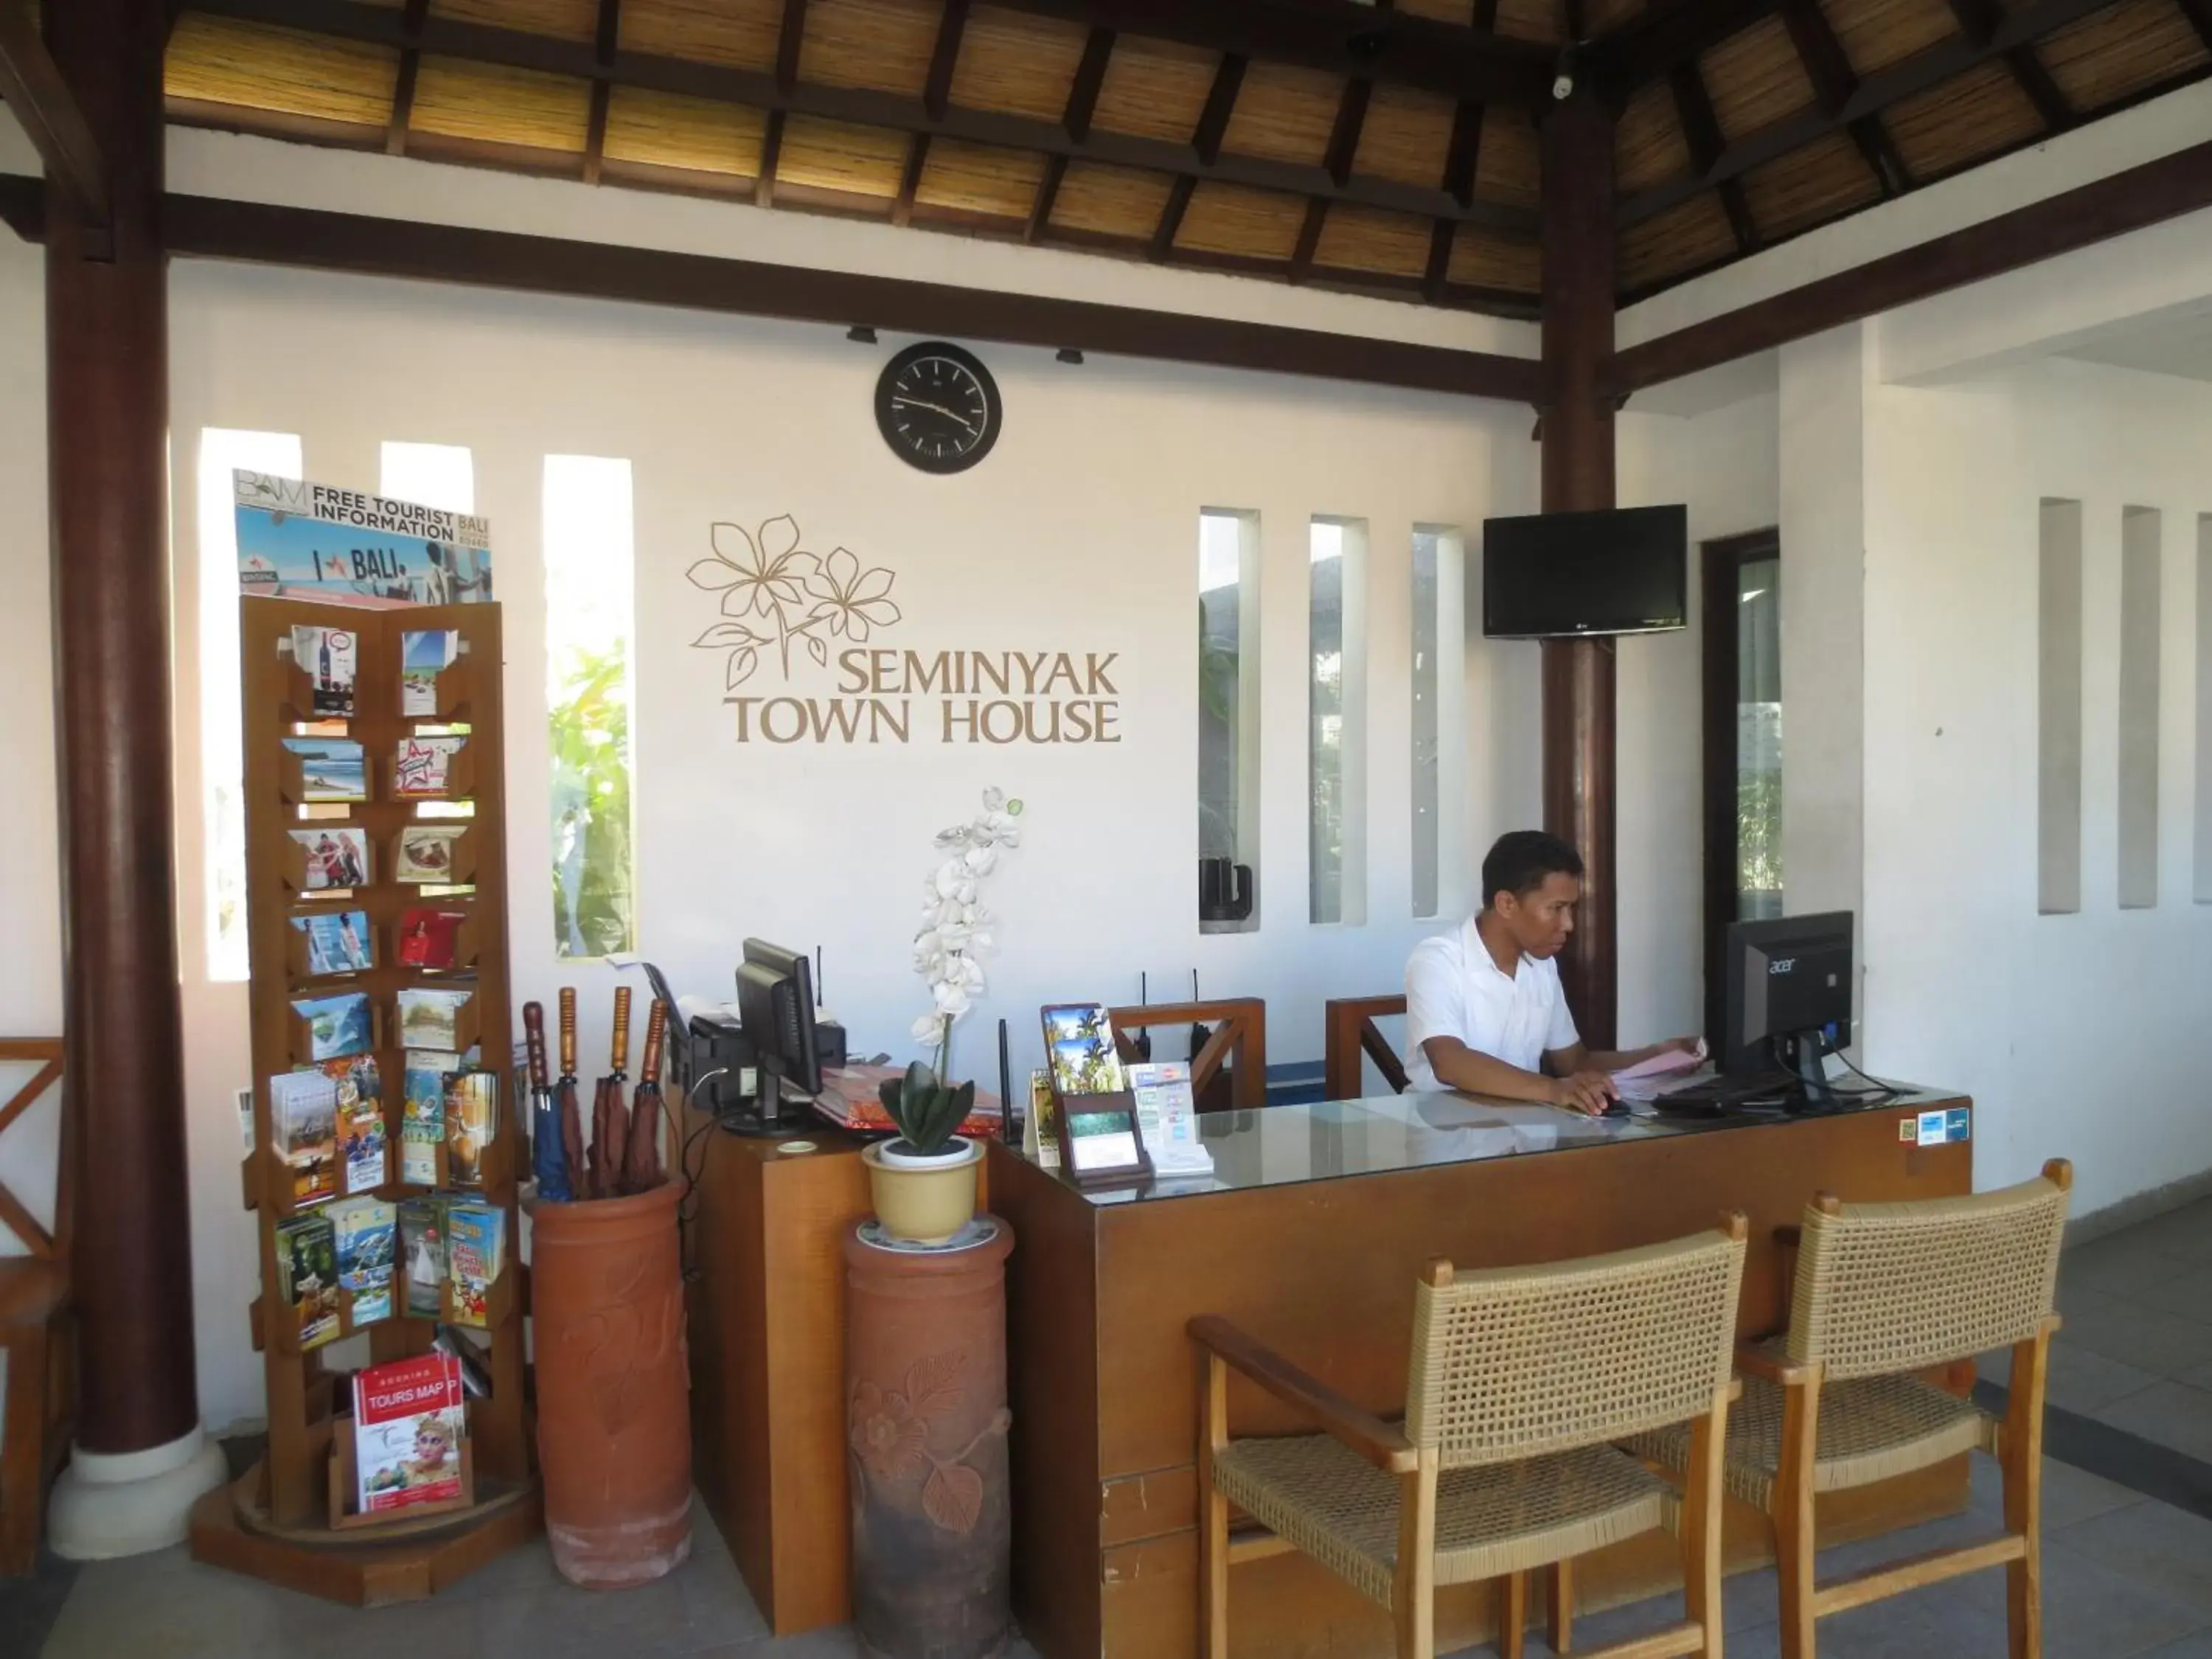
(1068, 536)
(2080, 1035)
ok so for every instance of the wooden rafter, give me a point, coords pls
(917, 155)
(1701, 131)
(771, 154)
(357, 19)
(33, 86)
(410, 64)
(1979, 20)
(1666, 33)
(1828, 67)
(937, 91)
(1923, 71)
(1164, 235)
(789, 39)
(1221, 105)
(2199, 14)
(1075, 123)
(606, 38)
(1340, 36)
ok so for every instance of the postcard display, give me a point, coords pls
(376, 891)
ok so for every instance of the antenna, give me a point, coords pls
(1143, 991)
(818, 1002)
(1006, 1131)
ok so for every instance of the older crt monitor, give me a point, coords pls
(1788, 1003)
(1624, 571)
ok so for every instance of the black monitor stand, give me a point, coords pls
(1802, 1054)
(767, 1093)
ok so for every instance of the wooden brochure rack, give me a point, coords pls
(282, 1521)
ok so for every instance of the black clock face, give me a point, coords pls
(937, 407)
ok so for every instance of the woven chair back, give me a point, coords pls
(1884, 1288)
(1513, 1362)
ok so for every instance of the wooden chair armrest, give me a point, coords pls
(1383, 1444)
(1763, 1363)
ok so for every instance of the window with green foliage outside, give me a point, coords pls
(589, 647)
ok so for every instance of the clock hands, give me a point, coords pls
(934, 409)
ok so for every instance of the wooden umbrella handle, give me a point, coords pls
(620, 1062)
(656, 1028)
(568, 1031)
(533, 1034)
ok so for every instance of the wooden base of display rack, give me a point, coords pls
(411, 1558)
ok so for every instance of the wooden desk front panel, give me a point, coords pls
(1324, 1272)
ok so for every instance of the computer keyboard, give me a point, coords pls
(1716, 1096)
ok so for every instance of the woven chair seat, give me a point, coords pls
(1492, 1519)
(1870, 1429)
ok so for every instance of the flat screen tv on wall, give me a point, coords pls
(1552, 575)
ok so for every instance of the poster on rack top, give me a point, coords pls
(298, 540)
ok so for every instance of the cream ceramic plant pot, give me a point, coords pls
(926, 1200)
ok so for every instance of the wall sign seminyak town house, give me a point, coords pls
(776, 597)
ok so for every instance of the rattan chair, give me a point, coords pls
(1882, 1291)
(1519, 1381)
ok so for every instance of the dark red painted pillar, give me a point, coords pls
(1577, 472)
(108, 398)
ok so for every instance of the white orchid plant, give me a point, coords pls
(955, 928)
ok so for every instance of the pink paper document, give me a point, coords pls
(1646, 1079)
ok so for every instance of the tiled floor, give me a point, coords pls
(2126, 1576)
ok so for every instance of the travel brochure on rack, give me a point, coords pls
(298, 540)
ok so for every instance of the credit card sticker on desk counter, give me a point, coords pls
(1938, 1127)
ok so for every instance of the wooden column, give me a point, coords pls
(107, 393)
(1577, 472)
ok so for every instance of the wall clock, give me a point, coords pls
(937, 407)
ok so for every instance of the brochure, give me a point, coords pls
(423, 1248)
(337, 941)
(407, 1422)
(430, 1018)
(336, 1025)
(308, 541)
(303, 1116)
(338, 856)
(472, 1117)
(425, 765)
(331, 769)
(307, 1276)
(426, 853)
(475, 1238)
(1167, 1117)
(424, 654)
(430, 939)
(327, 656)
(1081, 1040)
(367, 1230)
(422, 1118)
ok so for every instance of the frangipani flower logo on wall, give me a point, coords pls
(776, 594)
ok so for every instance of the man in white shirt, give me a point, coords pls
(1485, 1011)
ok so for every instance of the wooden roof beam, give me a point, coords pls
(2199, 14)
(1075, 123)
(1666, 33)
(1701, 131)
(1221, 105)
(1828, 67)
(917, 155)
(1339, 36)
(34, 88)
(1979, 20)
(355, 20)
(937, 91)
(411, 17)
(789, 39)
(771, 153)
(606, 40)
(1923, 71)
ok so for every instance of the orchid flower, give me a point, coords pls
(954, 929)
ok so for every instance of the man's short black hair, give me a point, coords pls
(1519, 860)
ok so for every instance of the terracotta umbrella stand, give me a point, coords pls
(614, 1422)
(926, 1414)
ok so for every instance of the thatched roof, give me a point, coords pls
(1380, 148)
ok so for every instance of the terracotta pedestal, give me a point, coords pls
(927, 1420)
(614, 1413)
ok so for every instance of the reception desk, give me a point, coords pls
(1309, 1235)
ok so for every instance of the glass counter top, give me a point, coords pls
(1330, 1140)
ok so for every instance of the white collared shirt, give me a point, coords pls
(1454, 988)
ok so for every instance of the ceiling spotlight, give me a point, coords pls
(1563, 77)
(1069, 355)
(861, 332)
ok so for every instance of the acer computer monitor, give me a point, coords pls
(1788, 1001)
